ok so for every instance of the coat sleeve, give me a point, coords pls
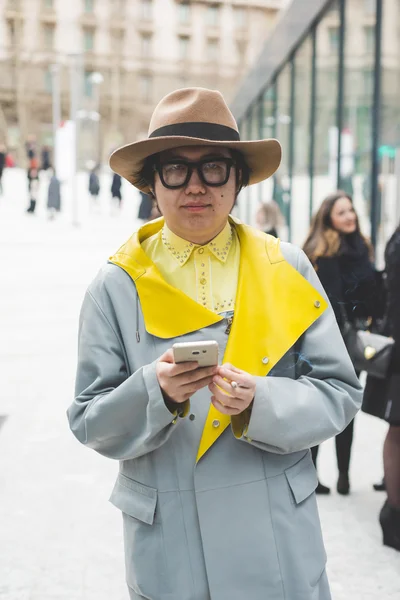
(289, 415)
(119, 415)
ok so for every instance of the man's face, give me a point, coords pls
(196, 212)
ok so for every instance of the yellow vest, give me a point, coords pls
(274, 306)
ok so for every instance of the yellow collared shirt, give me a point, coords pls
(208, 274)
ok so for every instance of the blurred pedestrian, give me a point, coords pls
(46, 163)
(94, 186)
(2, 164)
(269, 218)
(53, 195)
(31, 153)
(116, 196)
(342, 257)
(146, 207)
(33, 189)
(387, 394)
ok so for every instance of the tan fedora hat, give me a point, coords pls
(194, 117)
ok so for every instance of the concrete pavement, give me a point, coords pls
(59, 537)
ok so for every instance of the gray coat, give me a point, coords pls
(54, 194)
(242, 522)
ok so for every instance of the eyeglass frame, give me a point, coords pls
(194, 165)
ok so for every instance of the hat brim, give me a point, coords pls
(262, 156)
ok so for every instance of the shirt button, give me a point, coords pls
(317, 304)
(215, 423)
(265, 360)
(203, 281)
(201, 250)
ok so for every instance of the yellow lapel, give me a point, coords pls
(167, 311)
(274, 306)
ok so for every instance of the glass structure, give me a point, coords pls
(333, 102)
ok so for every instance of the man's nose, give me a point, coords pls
(195, 184)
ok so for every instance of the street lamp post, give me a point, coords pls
(75, 96)
(96, 80)
(56, 108)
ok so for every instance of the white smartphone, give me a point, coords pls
(205, 353)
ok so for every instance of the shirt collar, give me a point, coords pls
(181, 249)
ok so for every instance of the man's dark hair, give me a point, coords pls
(145, 177)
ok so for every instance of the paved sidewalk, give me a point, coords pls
(59, 537)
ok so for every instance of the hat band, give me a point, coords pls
(203, 131)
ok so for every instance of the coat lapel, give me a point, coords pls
(167, 311)
(274, 306)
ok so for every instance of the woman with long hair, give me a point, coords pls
(342, 257)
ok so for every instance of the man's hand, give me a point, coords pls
(237, 390)
(179, 382)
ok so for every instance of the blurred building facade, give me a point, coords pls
(143, 49)
(328, 67)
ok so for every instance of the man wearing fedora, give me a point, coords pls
(216, 482)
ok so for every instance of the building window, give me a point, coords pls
(184, 45)
(146, 10)
(145, 87)
(48, 81)
(48, 3)
(334, 38)
(88, 84)
(368, 83)
(146, 45)
(11, 33)
(88, 40)
(241, 50)
(369, 33)
(213, 15)
(212, 49)
(370, 7)
(240, 17)
(48, 37)
(89, 5)
(184, 12)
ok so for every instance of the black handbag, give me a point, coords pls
(382, 398)
(370, 352)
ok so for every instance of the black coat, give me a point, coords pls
(382, 396)
(116, 186)
(350, 282)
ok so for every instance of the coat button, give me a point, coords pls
(317, 304)
(201, 250)
(215, 423)
(203, 281)
(192, 417)
(265, 360)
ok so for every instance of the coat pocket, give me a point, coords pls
(297, 528)
(302, 479)
(134, 499)
(145, 562)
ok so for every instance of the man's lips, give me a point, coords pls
(196, 207)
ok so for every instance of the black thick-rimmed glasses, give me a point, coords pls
(176, 173)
